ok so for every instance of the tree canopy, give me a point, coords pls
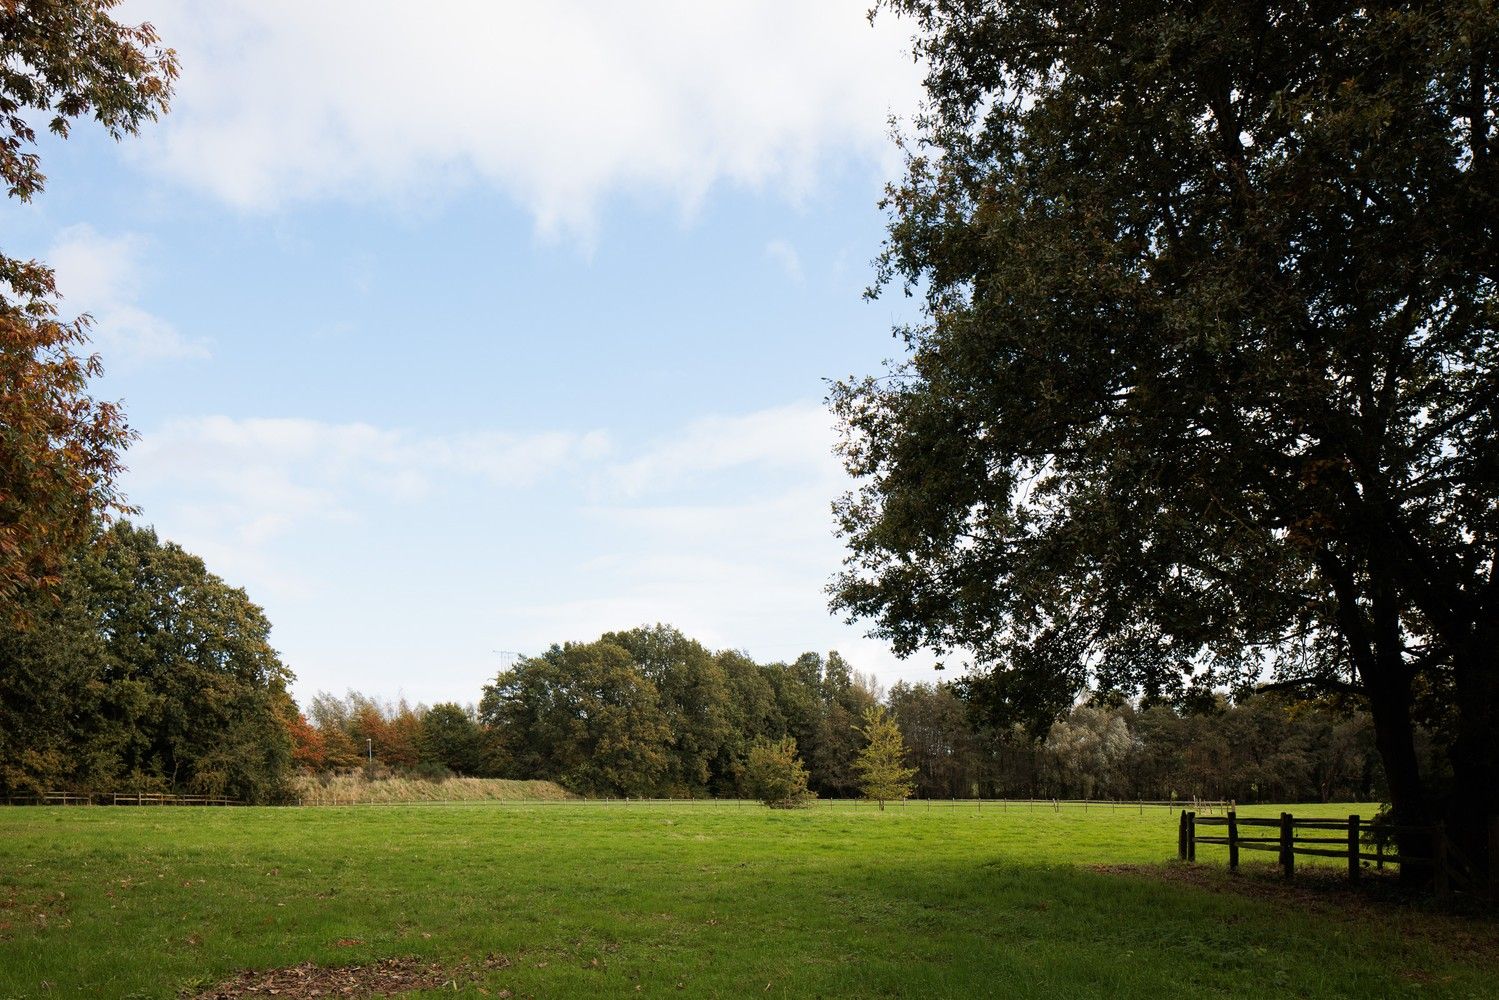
(1207, 383)
(147, 672)
(60, 60)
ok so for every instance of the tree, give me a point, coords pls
(1207, 381)
(776, 776)
(309, 749)
(881, 765)
(694, 697)
(1088, 748)
(59, 448)
(934, 726)
(580, 714)
(143, 670)
(450, 737)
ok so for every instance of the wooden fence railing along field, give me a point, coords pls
(1332, 837)
(116, 799)
(1197, 806)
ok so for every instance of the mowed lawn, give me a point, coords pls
(699, 900)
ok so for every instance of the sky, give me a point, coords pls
(470, 332)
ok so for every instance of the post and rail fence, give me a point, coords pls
(1335, 837)
(116, 799)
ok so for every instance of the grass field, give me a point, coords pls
(557, 900)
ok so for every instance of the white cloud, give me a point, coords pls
(797, 438)
(101, 275)
(785, 255)
(559, 105)
(744, 567)
(239, 484)
(374, 548)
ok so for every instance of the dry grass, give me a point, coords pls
(355, 789)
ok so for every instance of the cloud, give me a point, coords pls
(101, 275)
(560, 106)
(254, 480)
(743, 565)
(376, 548)
(796, 439)
(785, 255)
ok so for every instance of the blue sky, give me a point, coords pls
(495, 328)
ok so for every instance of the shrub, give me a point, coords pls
(776, 776)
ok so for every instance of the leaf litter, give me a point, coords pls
(381, 977)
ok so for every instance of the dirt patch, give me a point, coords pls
(1465, 927)
(381, 978)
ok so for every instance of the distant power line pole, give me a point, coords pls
(507, 657)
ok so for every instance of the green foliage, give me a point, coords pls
(450, 738)
(694, 698)
(775, 775)
(1206, 380)
(942, 742)
(881, 765)
(147, 671)
(581, 714)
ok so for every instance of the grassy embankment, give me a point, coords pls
(699, 900)
(353, 789)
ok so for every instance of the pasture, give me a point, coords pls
(711, 900)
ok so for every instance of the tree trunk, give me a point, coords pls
(1387, 677)
(1394, 735)
(1474, 752)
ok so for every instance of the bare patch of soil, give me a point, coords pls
(381, 978)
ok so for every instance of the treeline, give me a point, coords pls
(1266, 748)
(650, 712)
(142, 671)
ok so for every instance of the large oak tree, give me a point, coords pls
(1207, 381)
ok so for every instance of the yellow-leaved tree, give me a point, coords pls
(883, 773)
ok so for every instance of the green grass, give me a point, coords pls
(701, 900)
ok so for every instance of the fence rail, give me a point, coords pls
(1450, 869)
(116, 799)
(315, 798)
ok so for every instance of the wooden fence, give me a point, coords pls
(117, 799)
(1350, 838)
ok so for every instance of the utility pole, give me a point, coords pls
(369, 749)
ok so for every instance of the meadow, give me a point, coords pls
(712, 900)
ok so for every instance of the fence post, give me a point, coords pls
(1233, 841)
(1353, 866)
(1287, 845)
(1181, 838)
(1191, 836)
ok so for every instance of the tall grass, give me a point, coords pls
(356, 789)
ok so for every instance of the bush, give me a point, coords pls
(429, 770)
(776, 776)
